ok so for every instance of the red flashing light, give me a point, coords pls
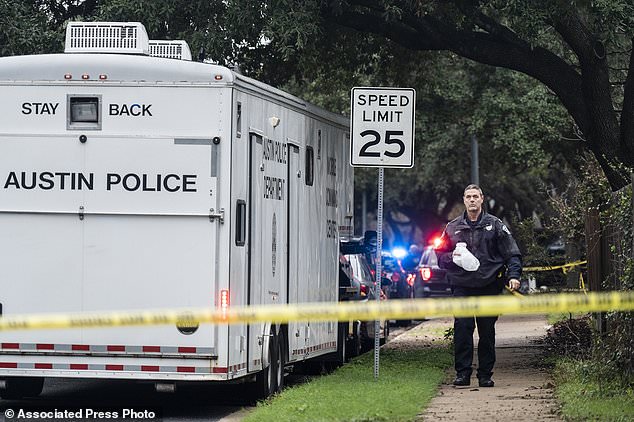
(68, 76)
(224, 299)
(364, 290)
(85, 76)
(436, 242)
(425, 273)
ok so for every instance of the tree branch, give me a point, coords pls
(428, 33)
(575, 34)
(396, 31)
(490, 25)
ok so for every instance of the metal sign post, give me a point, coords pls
(381, 135)
(377, 287)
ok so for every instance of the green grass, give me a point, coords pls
(408, 380)
(584, 399)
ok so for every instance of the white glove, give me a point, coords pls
(465, 259)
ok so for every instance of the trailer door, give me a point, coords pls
(267, 255)
(297, 334)
(107, 223)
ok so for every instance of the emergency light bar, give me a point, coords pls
(106, 37)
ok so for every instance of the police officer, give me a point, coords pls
(491, 257)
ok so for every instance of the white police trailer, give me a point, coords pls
(131, 182)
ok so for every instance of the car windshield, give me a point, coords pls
(429, 258)
(360, 269)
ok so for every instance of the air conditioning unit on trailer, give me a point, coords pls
(106, 37)
(175, 49)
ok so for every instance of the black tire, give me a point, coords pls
(265, 380)
(353, 348)
(20, 387)
(342, 339)
(280, 363)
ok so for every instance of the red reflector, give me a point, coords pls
(43, 366)
(219, 370)
(149, 368)
(114, 367)
(425, 273)
(218, 77)
(80, 347)
(185, 369)
(81, 366)
(10, 346)
(8, 365)
(152, 349)
(45, 347)
(116, 348)
(186, 349)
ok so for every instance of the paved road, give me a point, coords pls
(190, 403)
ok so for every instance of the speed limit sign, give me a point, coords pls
(382, 127)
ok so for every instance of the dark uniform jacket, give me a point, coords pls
(490, 241)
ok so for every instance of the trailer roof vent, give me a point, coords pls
(176, 49)
(106, 37)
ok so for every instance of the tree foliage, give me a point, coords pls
(319, 50)
(26, 29)
(581, 51)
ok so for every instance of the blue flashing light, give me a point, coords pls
(399, 253)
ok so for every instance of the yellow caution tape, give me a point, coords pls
(565, 267)
(513, 292)
(582, 285)
(366, 311)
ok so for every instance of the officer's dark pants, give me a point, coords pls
(463, 335)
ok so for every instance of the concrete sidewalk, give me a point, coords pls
(523, 390)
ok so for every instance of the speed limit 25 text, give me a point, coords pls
(379, 101)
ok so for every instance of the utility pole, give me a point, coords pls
(364, 211)
(475, 165)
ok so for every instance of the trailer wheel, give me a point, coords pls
(19, 387)
(279, 364)
(342, 339)
(266, 379)
(353, 348)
